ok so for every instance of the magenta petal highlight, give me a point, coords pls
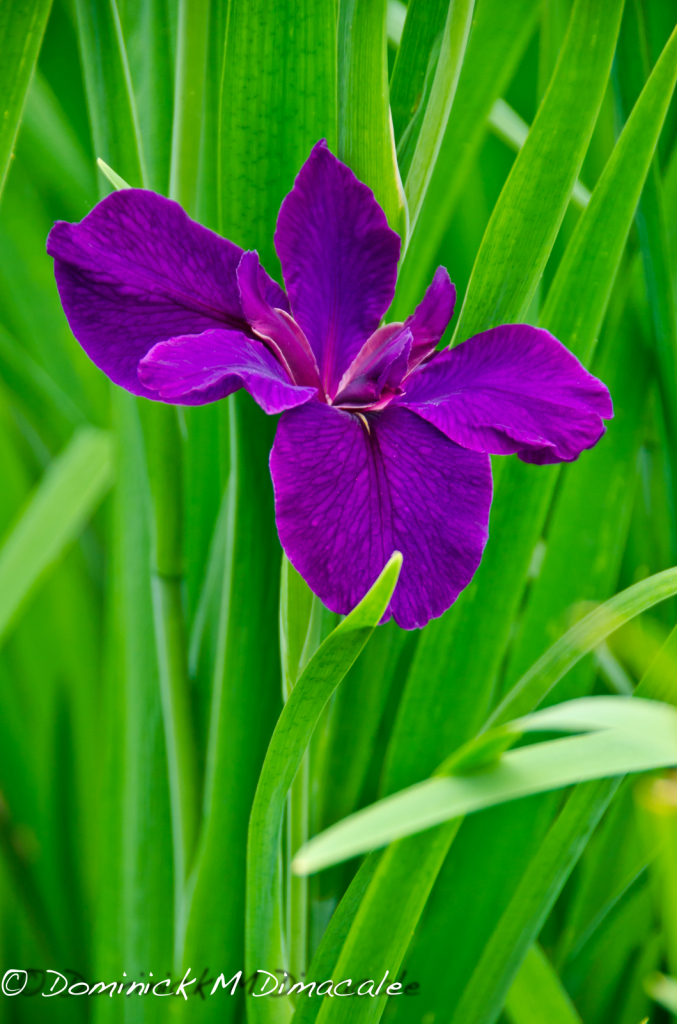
(347, 496)
(196, 369)
(512, 389)
(339, 261)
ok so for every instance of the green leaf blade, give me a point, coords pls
(21, 30)
(66, 497)
(293, 731)
(526, 219)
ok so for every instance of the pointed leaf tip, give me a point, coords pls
(116, 181)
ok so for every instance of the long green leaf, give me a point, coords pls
(514, 131)
(419, 168)
(632, 737)
(117, 139)
(277, 101)
(652, 224)
(608, 216)
(300, 636)
(418, 48)
(537, 996)
(526, 219)
(290, 739)
(531, 902)
(365, 139)
(66, 497)
(189, 101)
(136, 838)
(245, 697)
(150, 31)
(500, 33)
(535, 684)
(329, 950)
(394, 885)
(21, 30)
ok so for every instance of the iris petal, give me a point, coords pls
(137, 270)
(339, 261)
(378, 368)
(196, 369)
(347, 495)
(429, 320)
(283, 334)
(512, 389)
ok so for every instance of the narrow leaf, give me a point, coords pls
(527, 216)
(535, 685)
(512, 129)
(537, 995)
(646, 739)
(587, 271)
(418, 49)
(21, 30)
(116, 181)
(324, 672)
(500, 33)
(365, 138)
(110, 97)
(419, 167)
(66, 497)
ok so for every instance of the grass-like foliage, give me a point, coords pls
(212, 786)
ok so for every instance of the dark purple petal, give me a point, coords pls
(196, 369)
(339, 261)
(284, 336)
(429, 320)
(137, 270)
(347, 496)
(512, 389)
(377, 369)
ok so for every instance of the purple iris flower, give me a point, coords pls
(383, 443)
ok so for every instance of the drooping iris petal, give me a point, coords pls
(195, 369)
(512, 389)
(378, 367)
(137, 270)
(347, 497)
(429, 320)
(339, 261)
(282, 333)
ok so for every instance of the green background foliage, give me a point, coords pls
(179, 715)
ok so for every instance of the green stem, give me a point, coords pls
(163, 445)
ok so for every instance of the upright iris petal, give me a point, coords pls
(339, 261)
(383, 442)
